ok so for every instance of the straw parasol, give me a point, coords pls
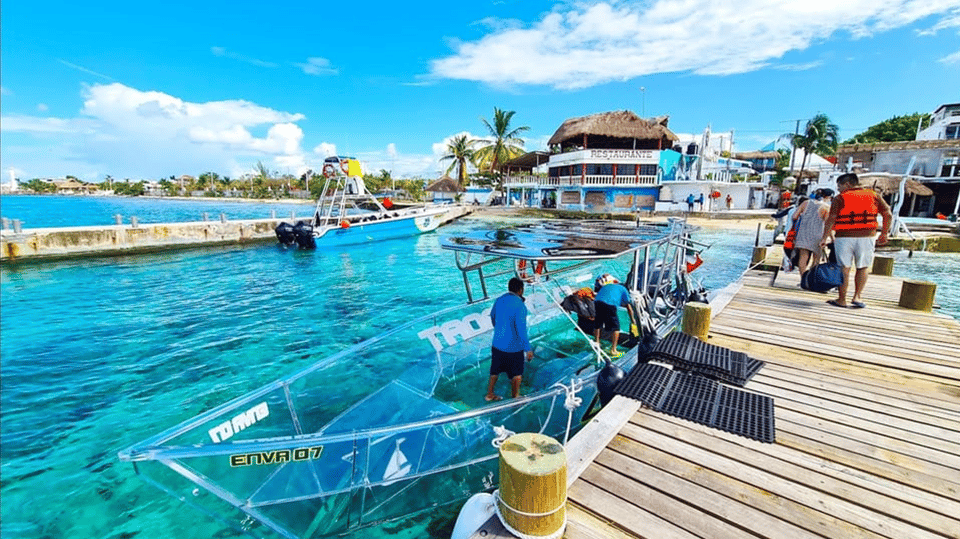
(615, 130)
(888, 184)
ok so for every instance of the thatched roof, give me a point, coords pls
(618, 129)
(887, 184)
(528, 160)
(445, 184)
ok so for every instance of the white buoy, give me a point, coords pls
(478, 509)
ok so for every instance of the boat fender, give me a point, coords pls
(647, 345)
(607, 380)
(478, 509)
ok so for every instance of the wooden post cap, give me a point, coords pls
(917, 295)
(696, 320)
(533, 484)
(882, 265)
(759, 255)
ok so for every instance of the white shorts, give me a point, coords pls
(855, 251)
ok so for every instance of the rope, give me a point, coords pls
(571, 403)
(497, 500)
(502, 434)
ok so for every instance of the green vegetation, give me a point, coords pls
(819, 136)
(460, 151)
(506, 142)
(896, 129)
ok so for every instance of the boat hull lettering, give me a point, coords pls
(227, 429)
(279, 456)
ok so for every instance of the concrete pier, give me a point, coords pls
(58, 243)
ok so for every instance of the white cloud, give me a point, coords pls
(5, 91)
(317, 66)
(579, 45)
(128, 132)
(42, 107)
(224, 53)
(951, 59)
(325, 149)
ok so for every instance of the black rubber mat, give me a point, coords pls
(746, 414)
(692, 397)
(693, 355)
(700, 399)
(647, 383)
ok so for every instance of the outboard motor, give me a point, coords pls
(285, 234)
(699, 296)
(304, 234)
(607, 380)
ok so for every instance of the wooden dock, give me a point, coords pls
(867, 408)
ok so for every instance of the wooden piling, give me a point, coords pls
(533, 484)
(759, 255)
(882, 265)
(696, 320)
(917, 295)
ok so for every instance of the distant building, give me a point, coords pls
(618, 162)
(933, 160)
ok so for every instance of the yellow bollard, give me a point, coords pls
(533, 485)
(882, 265)
(917, 295)
(696, 320)
(759, 255)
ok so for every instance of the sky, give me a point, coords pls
(146, 90)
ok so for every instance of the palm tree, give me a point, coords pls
(460, 150)
(819, 136)
(505, 145)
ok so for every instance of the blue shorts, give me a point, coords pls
(607, 317)
(508, 362)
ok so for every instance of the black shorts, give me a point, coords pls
(586, 324)
(508, 362)
(607, 317)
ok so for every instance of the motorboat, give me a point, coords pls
(310, 456)
(347, 213)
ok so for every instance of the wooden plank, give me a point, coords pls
(919, 474)
(594, 436)
(582, 524)
(945, 374)
(817, 468)
(895, 395)
(809, 507)
(813, 400)
(916, 346)
(694, 519)
(635, 519)
(810, 362)
(724, 498)
(783, 476)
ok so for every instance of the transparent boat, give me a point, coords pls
(310, 456)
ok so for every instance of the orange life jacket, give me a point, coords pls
(859, 210)
(791, 237)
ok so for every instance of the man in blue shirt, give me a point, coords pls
(610, 296)
(509, 317)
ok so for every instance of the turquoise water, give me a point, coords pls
(100, 353)
(42, 211)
